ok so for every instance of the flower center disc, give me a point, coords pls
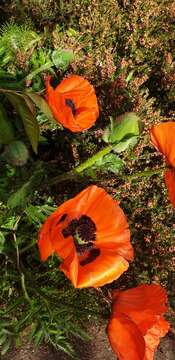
(71, 104)
(83, 231)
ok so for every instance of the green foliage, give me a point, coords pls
(125, 126)
(39, 302)
(25, 108)
(62, 58)
(110, 162)
(6, 129)
(127, 53)
(16, 153)
(16, 40)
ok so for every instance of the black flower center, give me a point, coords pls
(71, 104)
(83, 231)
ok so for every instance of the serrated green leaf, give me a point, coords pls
(19, 197)
(125, 144)
(126, 125)
(110, 162)
(24, 107)
(62, 58)
(2, 242)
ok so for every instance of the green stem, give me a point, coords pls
(42, 68)
(145, 173)
(23, 285)
(88, 163)
(73, 174)
(76, 172)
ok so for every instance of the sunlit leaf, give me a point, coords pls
(41, 104)
(126, 125)
(62, 58)
(125, 144)
(25, 108)
(110, 162)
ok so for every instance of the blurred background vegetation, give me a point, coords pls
(126, 49)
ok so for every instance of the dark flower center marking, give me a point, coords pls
(93, 254)
(83, 231)
(63, 217)
(71, 104)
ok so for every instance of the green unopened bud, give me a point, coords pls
(16, 153)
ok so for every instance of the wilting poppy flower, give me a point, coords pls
(163, 138)
(90, 234)
(136, 322)
(73, 103)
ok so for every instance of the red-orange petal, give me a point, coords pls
(152, 338)
(111, 261)
(112, 226)
(162, 137)
(107, 267)
(82, 94)
(142, 304)
(169, 177)
(125, 338)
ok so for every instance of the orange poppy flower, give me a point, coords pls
(90, 234)
(73, 103)
(136, 322)
(163, 138)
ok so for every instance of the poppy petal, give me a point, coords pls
(70, 267)
(152, 338)
(162, 137)
(125, 338)
(142, 304)
(73, 103)
(112, 226)
(169, 177)
(107, 267)
(92, 265)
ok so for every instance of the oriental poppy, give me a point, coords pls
(163, 138)
(73, 103)
(90, 234)
(136, 322)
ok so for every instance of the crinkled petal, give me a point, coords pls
(152, 338)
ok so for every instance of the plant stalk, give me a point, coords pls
(76, 172)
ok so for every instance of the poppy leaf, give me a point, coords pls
(62, 58)
(125, 144)
(110, 162)
(41, 104)
(125, 126)
(25, 108)
(6, 129)
(19, 197)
